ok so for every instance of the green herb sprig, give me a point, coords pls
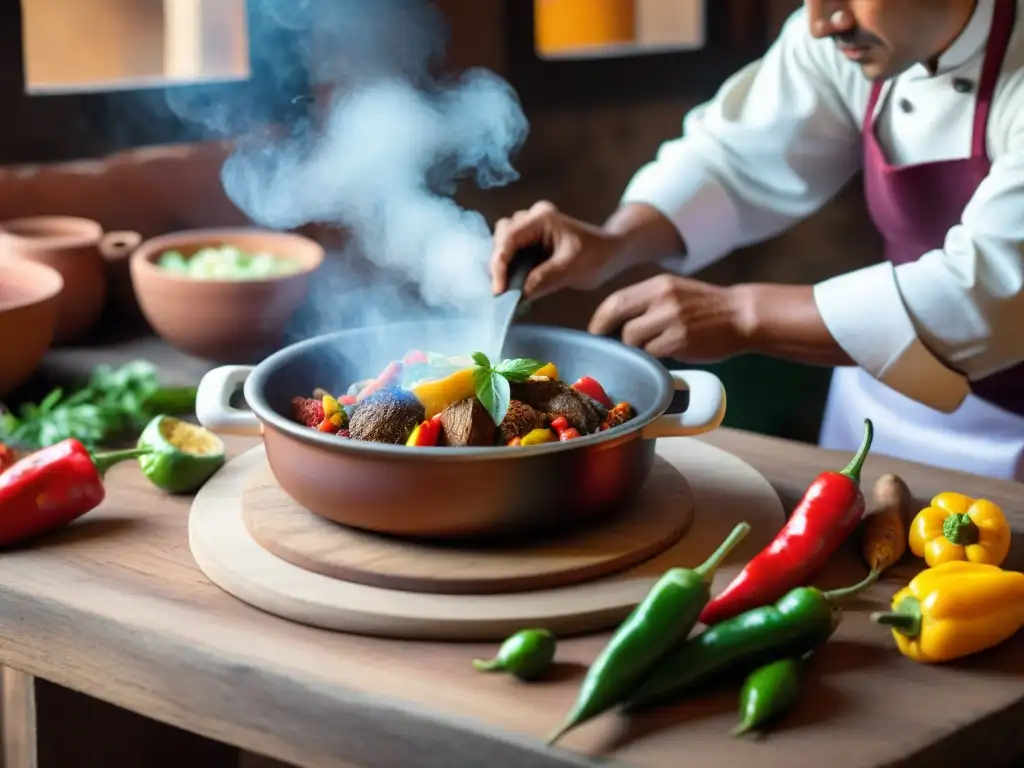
(492, 382)
(115, 402)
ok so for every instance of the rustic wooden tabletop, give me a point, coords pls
(114, 607)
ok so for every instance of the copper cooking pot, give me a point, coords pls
(457, 492)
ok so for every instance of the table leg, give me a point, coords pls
(47, 726)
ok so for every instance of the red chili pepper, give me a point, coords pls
(52, 487)
(426, 434)
(568, 434)
(829, 513)
(8, 457)
(560, 424)
(589, 387)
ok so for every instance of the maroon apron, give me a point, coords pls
(915, 206)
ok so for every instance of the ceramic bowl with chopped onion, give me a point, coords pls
(223, 295)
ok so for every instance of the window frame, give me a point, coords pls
(47, 128)
(737, 31)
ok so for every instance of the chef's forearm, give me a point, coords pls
(784, 321)
(647, 236)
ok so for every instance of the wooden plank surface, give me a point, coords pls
(114, 607)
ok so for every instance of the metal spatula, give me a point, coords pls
(510, 305)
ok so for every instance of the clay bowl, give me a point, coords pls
(227, 321)
(29, 307)
(73, 246)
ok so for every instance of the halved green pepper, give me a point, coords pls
(183, 456)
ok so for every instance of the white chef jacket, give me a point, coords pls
(783, 135)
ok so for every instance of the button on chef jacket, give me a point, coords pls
(784, 134)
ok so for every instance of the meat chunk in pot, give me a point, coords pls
(556, 398)
(579, 410)
(467, 423)
(389, 416)
(536, 393)
(520, 420)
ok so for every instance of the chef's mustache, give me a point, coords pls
(855, 38)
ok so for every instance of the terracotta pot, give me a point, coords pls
(116, 249)
(458, 492)
(29, 307)
(72, 246)
(223, 320)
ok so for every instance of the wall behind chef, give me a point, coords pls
(927, 98)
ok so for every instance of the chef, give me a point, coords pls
(927, 98)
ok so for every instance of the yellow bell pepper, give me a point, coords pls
(538, 437)
(547, 370)
(438, 394)
(955, 609)
(331, 406)
(957, 527)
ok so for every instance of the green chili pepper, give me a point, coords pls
(182, 456)
(797, 624)
(769, 691)
(663, 619)
(526, 655)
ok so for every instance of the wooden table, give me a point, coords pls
(115, 608)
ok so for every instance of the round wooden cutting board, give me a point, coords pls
(725, 491)
(661, 514)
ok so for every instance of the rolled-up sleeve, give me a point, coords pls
(773, 145)
(956, 315)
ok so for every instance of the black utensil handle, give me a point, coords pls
(522, 263)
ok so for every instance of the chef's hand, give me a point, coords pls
(583, 256)
(675, 317)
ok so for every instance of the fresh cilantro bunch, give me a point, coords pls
(114, 403)
(492, 382)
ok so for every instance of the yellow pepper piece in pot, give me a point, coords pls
(538, 437)
(957, 527)
(438, 394)
(955, 609)
(548, 370)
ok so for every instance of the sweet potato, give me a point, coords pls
(884, 530)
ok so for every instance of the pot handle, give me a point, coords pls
(704, 412)
(213, 402)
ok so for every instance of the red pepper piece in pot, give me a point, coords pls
(52, 487)
(568, 434)
(426, 435)
(391, 374)
(588, 386)
(830, 511)
(415, 357)
(559, 424)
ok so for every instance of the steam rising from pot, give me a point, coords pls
(383, 162)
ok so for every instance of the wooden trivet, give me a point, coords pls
(659, 516)
(725, 489)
